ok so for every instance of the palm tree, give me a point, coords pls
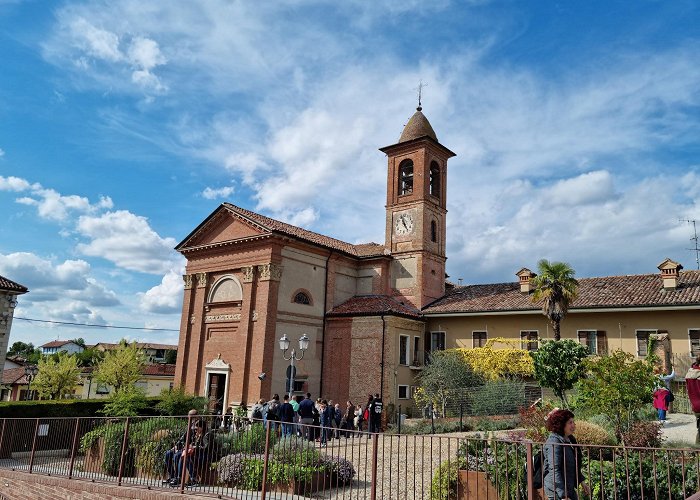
(556, 286)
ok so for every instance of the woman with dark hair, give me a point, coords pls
(562, 461)
(692, 382)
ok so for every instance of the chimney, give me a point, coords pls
(525, 276)
(669, 273)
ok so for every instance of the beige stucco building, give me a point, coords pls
(9, 290)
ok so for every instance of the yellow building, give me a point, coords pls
(155, 378)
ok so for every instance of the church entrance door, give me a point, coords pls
(216, 390)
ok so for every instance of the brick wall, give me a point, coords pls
(23, 486)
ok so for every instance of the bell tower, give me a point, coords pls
(416, 210)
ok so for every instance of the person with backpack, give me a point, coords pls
(306, 417)
(562, 460)
(364, 420)
(375, 414)
(271, 413)
(286, 414)
(256, 414)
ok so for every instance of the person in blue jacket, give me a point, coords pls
(562, 460)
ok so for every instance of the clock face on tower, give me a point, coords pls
(404, 224)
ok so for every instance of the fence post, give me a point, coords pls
(375, 454)
(31, 458)
(184, 453)
(399, 419)
(72, 450)
(121, 458)
(263, 493)
(461, 414)
(530, 477)
(2, 434)
(432, 418)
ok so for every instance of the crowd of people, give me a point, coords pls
(318, 419)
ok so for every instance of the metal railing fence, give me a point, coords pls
(272, 460)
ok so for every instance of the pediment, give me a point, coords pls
(218, 364)
(223, 226)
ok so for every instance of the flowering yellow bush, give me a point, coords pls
(494, 363)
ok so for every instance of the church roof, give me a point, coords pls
(418, 126)
(11, 286)
(374, 305)
(363, 250)
(631, 291)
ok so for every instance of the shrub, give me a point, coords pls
(533, 419)
(295, 450)
(127, 402)
(601, 421)
(177, 401)
(592, 434)
(343, 469)
(502, 424)
(444, 483)
(498, 363)
(240, 470)
(251, 440)
(559, 365)
(643, 434)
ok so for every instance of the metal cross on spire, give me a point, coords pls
(420, 87)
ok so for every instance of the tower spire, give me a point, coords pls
(420, 87)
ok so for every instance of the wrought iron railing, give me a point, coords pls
(258, 459)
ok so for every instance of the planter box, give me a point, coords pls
(319, 481)
(473, 485)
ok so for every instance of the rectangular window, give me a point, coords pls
(589, 338)
(437, 341)
(479, 339)
(403, 349)
(529, 340)
(298, 386)
(694, 334)
(416, 352)
(643, 341)
(102, 389)
(403, 392)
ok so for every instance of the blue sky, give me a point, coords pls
(123, 124)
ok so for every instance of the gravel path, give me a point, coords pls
(680, 428)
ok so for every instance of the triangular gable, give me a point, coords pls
(221, 226)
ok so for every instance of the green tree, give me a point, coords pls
(56, 377)
(126, 402)
(121, 367)
(19, 348)
(80, 341)
(171, 356)
(446, 373)
(177, 401)
(617, 386)
(556, 287)
(559, 365)
(89, 357)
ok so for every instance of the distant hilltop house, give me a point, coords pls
(56, 346)
(9, 290)
(156, 353)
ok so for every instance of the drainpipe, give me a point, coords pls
(323, 327)
(381, 381)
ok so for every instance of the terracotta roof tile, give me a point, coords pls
(374, 305)
(57, 343)
(363, 250)
(642, 290)
(9, 285)
(14, 376)
(418, 126)
(140, 345)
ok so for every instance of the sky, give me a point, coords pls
(124, 124)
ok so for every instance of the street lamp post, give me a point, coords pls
(30, 372)
(284, 345)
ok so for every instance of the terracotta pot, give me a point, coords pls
(474, 485)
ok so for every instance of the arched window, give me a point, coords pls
(302, 298)
(433, 231)
(406, 177)
(435, 179)
(226, 289)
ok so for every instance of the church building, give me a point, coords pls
(368, 316)
(252, 280)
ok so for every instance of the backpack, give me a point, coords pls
(273, 410)
(257, 414)
(537, 471)
(377, 407)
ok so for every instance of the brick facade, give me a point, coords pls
(271, 260)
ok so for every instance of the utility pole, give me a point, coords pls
(694, 239)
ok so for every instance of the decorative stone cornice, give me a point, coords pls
(201, 280)
(270, 272)
(187, 278)
(248, 274)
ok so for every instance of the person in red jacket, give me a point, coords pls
(661, 401)
(692, 383)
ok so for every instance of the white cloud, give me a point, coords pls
(2, 152)
(591, 187)
(56, 282)
(96, 42)
(165, 298)
(128, 241)
(13, 184)
(214, 193)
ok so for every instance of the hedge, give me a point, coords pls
(62, 408)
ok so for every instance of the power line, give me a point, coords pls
(90, 325)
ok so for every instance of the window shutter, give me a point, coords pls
(583, 337)
(602, 343)
(694, 342)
